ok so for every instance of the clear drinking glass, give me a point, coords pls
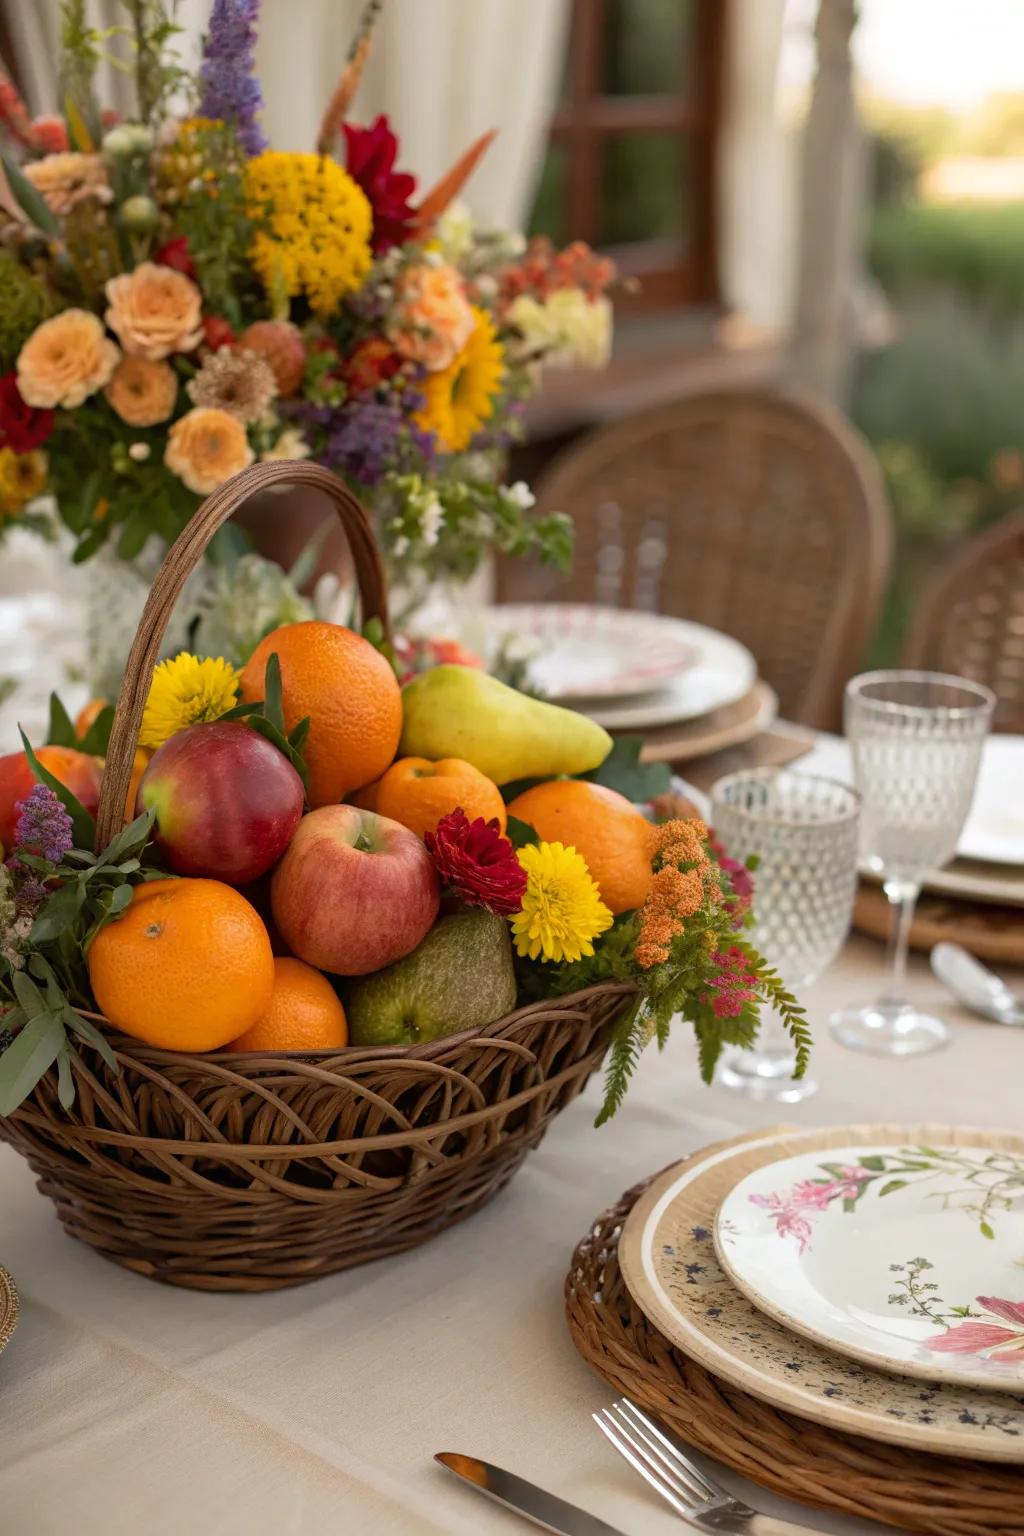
(916, 740)
(804, 830)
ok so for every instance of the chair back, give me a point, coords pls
(970, 620)
(761, 513)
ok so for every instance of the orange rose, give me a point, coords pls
(205, 448)
(433, 319)
(155, 311)
(65, 360)
(142, 392)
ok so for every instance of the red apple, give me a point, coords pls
(227, 802)
(354, 892)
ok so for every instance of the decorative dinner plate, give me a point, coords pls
(907, 1253)
(994, 829)
(8, 1307)
(667, 1256)
(583, 651)
(720, 675)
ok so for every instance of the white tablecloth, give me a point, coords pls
(128, 1407)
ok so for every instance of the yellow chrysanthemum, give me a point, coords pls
(562, 911)
(186, 691)
(313, 227)
(461, 398)
(22, 476)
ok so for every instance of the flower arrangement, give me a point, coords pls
(178, 300)
(227, 793)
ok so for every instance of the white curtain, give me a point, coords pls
(443, 70)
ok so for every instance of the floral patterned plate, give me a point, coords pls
(668, 1259)
(907, 1253)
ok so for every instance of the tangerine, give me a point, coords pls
(603, 826)
(304, 1013)
(350, 693)
(81, 774)
(86, 715)
(187, 967)
(418, 793)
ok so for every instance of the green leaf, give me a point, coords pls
(61, 731)
(873, 1162)
(240, 711)
(622, 770)
(849, 1205)
(520, 834)
(892, 1186)
(134, 534)
(510, 792)
(263, 725)
(130, 839)
(29, 1057)
(93, 539)
(59, 913)
(87, 1030)
(273, 704)
(986, 1230)
(65, 1079)
(28, 994)
(300, 735)
(97, 738)
(120, 898)
(83, 825)
(28, 199)
(78, 132)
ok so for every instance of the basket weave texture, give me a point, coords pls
(812, 1463)
(252, 1172)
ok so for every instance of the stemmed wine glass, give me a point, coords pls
(916, 740)
(803, 828)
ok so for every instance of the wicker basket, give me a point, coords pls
(249, 1172)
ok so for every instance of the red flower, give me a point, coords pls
(477, 862)
(372, 362)
(217, 332)
(176, 255)
(50, 135)
(22, 427)
(369, 160)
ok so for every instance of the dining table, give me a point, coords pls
(130, 1406)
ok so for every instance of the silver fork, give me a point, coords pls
(680, 1481)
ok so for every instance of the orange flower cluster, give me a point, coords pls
(675, 893)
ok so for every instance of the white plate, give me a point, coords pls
(583, 651)
(905, 1255)
(667, 1256)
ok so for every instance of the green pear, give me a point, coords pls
(459, 977)
(455, 711)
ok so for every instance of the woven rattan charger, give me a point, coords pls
(940, 1495)
(250, 1172)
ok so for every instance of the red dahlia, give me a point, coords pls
(369, 160)
(478, 863)
(176, 255)
(22, 427)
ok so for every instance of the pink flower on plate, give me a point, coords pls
(809, 1195)
(986, 1339)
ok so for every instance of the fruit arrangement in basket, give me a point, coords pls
(315, 858)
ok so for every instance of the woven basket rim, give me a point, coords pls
(129, 1046)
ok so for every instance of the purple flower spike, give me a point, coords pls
(229, 89)
(44, 826)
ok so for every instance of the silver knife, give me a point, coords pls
(544, 1509)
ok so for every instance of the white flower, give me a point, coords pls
(455, 233)
(140, 452)
(400, 546)
(521, 494)
(290, 445)
(431, 519)
(571, 330)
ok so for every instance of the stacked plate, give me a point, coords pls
(688, 689)
(865, 1277)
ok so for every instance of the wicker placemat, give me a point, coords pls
(8, 1306)
(940, 1495)
(990, 932)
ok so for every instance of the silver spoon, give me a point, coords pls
(975, 985)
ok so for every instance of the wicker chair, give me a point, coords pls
(760, 513)
(971, 619)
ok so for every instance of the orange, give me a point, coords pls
(365, 798)
(81, 774)
(187, 967)
(603, 826)
(304, 1013)
(87, 714)
(418, 793)
(350, 694)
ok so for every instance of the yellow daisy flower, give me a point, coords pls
(186, 691)
(22, 476)
(313, 227)
(461, 397)
(562, 911)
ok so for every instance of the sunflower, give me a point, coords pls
(461, 398)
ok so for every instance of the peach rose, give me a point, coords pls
(65, 360)
(205, 448)
(142, 392)
(433, 319)
(154, 311)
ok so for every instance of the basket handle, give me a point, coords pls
(178, 564)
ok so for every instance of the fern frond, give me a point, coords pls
(628, 1042)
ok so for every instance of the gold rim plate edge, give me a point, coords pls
(722, 1165)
